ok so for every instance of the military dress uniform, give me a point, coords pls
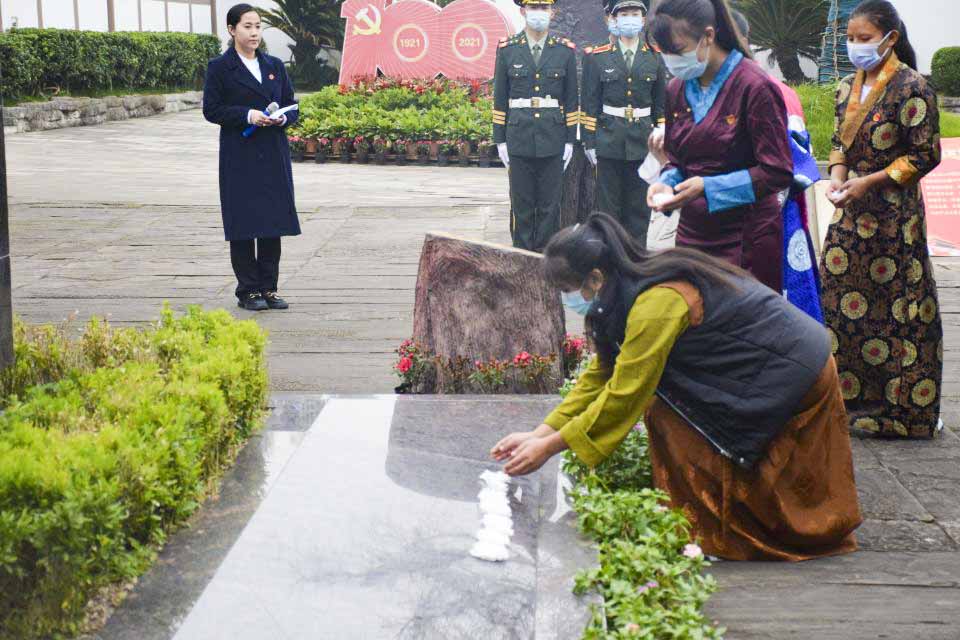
(536, 112)
(621, 106)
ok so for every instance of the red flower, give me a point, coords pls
(405, 364)
(522, 359)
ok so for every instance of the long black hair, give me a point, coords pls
(884, 16)
(236, 12)
(602, 243)
(694, 16)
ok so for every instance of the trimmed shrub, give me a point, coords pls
(81, 61)
(106, 445)
(946, 71)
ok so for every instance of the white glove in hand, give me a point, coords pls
(592, 156)
(504, 156)
(567, 155)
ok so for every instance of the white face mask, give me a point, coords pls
(686, 66)
(630, 26)
(867, 56)
(575, 301)
(538, 20)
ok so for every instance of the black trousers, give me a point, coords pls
(536, 185)
(256, 264)
(622, 193)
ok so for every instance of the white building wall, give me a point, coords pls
(932, 25)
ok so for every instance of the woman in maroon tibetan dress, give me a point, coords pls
(729, 157)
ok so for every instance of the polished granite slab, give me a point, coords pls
(365, 534)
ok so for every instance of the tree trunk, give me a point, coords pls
(579, 190)
(480, 301)
(789, 63)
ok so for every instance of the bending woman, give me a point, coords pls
(726, 143)
(747, 428)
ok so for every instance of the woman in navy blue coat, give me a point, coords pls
(256, 179)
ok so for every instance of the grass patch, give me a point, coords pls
(108, 441)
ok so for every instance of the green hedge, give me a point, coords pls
(107, 443)
(946, 71)
(79, 61)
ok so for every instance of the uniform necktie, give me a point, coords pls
(629, 59)
(536, 54)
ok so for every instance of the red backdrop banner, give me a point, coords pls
(941, 195)
(418, 39)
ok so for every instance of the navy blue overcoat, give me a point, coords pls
(256, 179)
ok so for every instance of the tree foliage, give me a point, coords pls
(313, 25)
(788, 29)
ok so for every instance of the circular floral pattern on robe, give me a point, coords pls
(910, 354)
(893, 195)
(885, 136)
(900, 429)
(903, 310)
(913, 112)
(914, 271)
(875, 351)
(867, 424)
(882, 270)
(940, 352)
(849, 385)
(867, 226)
(798, 253)
(843, 91)
(854, 305)
(837, 215)
(834, 342)
(924, 393)
(837, 261)
(911, 229)
(892, 392)
(928, 310)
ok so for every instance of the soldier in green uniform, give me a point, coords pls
(535, 118)
(624, 87)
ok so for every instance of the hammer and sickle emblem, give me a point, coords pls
(373, 25)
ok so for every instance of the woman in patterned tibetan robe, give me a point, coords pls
(879, 293)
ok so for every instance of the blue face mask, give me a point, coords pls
(686, 66)
(613, 27)
(575, 301)
(630, 26)
(538, 20)
(866, 56)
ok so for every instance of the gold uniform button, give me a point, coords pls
(629, 93)
(536, 88)
(537, 76)
(536, 115)
(629, 79)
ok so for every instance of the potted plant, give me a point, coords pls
(342, 148)
(400, 149)
(484, 151)
(380, 148)
(311, 145)
(362, 146)
(323, 150)
(463, 152)
(296, 148)
(423, 152)
(444, 151)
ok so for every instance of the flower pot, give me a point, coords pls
(412, 153)
(464, 160)
(363, 156)
(296, 155)
(345, 156)
(434, 149)
(423, 160)
(401, 160)
(312, 146)
(380, 157)
(443, 160)
(484, 161)
(321, 156)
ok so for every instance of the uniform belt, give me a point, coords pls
(534, 103)
(630, 114)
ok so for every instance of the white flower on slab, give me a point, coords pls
(494, 536)
(489, 552)
(692, 551)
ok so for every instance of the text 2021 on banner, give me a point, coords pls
(419, 39)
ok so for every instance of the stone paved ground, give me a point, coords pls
(113, 220)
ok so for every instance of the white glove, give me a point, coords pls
(567, 155)
(592, 156)
(504, 156)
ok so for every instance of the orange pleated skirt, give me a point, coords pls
(798, 503)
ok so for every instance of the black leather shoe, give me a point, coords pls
(274, 301)
(253, 302)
